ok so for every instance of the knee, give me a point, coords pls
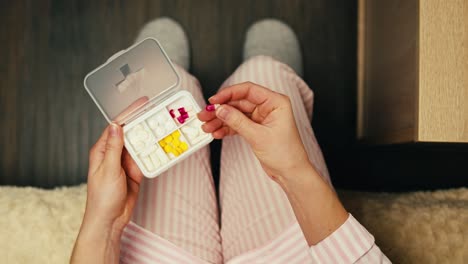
(191, 84)
(261, 70)
(261, 61)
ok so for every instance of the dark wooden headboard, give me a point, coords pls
(47, 47)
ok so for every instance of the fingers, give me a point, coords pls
(237, 121)
(96, 154)
(206, 116)
(221, 132)
(114, 146)
(216, 127)
(243, 105)
(130, 167)
(212, 126)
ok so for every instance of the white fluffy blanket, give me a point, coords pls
(40, 226)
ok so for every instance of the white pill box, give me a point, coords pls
(138, 88)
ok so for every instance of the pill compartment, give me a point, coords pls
(165, 149)
(137, 88)
(154, 159)
(161, 124)
(181, 110)
(140, 137)
(193, 131)
(174, 144)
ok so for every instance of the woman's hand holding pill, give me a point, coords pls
(113, 186)
(264, 119)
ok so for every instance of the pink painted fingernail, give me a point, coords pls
(211, 107)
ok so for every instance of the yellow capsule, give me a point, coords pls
(168, 139)
(176, 142)
(168, 148)
(162, 143)
(176, 134)
(184, 146)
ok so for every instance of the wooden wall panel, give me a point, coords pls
(413, 71)
(443, 60)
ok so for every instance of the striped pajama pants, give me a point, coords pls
(177, 218)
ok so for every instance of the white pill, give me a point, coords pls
(148, 164)
(154, 158)
(138, 145)
(159, 131)
(138, 128)
(131, 134)
(169, 125)
(162, 156)
(152, 123)
(134, 135)
(133, 141)
(190, 131)
(142, 135)
(161, 118)
(195, 141)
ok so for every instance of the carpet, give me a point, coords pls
(40, 226)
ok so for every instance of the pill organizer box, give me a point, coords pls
(138, 88)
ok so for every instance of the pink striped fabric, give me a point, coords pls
(254, 209)
(180, 205)
(142, 246)
(176, 217)
(351, 243)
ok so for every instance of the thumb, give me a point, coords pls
(114, 147)
(237, 121)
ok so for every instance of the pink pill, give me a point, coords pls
(172, 113)
(181, 110)
(211, 107)
(185, 115)
(181, 119)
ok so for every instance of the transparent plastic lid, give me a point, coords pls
(132, 81)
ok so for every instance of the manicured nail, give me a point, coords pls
(211, 107)
(114, 130)
(211, 98)
(221, 112)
